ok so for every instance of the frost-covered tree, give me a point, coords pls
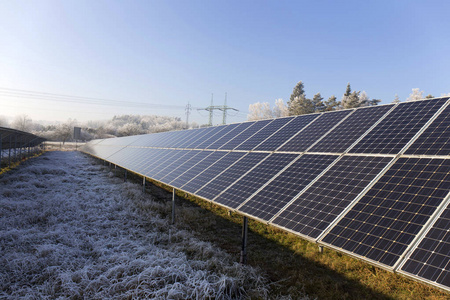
(351, 101)
(396, 99)
(301, 106)
(129, 129)
(298, 91)
(317, 103)
(259, 111)
(280, 109)
(3, 121)
(22, 122)
(332, 104)
(364, 99)
(64, 131)
(416, 94)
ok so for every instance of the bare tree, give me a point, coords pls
(259, 111)
(3, 122)
(64, 131)
(280, 109)
(22, 122)
(416, 94)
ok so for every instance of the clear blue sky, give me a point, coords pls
(166, 53)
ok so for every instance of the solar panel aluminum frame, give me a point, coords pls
(347, 209)
(416, 242)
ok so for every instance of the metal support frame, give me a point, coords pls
(244, 241)
(320, 249)
(143, 184)
(173, 206)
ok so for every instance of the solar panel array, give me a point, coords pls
(373, 182)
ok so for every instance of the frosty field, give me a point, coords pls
(68, 229)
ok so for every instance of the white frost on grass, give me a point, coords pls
(69, 231)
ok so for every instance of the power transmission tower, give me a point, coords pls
(223, 108)
(188, 112)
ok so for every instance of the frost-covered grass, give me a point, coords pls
(68, 229)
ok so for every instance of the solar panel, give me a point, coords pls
(430, 260)
(209, 137)
(383, 223)
(231, 134)
(197, 137)
(398, 128)
(346, 133)
(237, 193)
(244, 135)
(281, 136)
(212, 171)
(325, 200)
(168, 163)
(221, 182)
(264, 133)
(318, 128)
(185, 165)
(273, 197)
(435, 140)
(197, 168)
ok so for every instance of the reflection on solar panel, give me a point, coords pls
(281, 136)
(286, 186)
(385, 221)
(264, 133)
(252, 181)
(346, 133)
(436, 138)
(370, 182)
(221, 182)
(430, 260)
(320, 204)
(209, 173)
(398, 128)
(244, 135)
(318, 128)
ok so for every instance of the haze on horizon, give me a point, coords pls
(90, 60)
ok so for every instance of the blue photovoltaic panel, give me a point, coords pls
(197, 168)
(105, 151)
(251, 182)
(384, 222)
(212, 171)
(231, 134)
(346, 133)
(398, 128)
(221, 182)
(198, 137)
(166, 161)
(209, 138)
(184, 137)
(281, 136)
(320, 204)
(435, 140)
(185, 165)
(431, 258)
(263, 134)
(304, 139)
(244, 135)
(272, 198)
(151, 160)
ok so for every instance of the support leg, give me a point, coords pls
(143, 184)
(244, 241)
(173, 206)
(320, 249)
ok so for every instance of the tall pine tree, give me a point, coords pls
(318, 104)
(298, 104)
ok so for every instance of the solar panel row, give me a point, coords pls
(353, 180)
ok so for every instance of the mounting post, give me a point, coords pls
(173, 206)
(9, 152)
(244, 241)
(320, 249)
(143, 184)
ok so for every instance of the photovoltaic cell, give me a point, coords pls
(272, 198)
(166, 163)
(212, 171)
(398, 128)
(221, 182)
(214, 133)
(244, 135)
(231, 134)
(320, 204)
(197, 168)
(435, 140)
(251, 182)
(197, 138)
(346, 133)
(264, 133)
(304, 139)
(184, 164)
(431, 258)
(281, 136)
(384, 222)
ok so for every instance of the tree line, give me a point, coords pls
(299, 104)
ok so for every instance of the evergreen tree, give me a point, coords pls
(429, 96)
(300, 106)
(331, 104)
(351, 101)
(318, 104)
(348, 91)
(298, 91)
(396, 99)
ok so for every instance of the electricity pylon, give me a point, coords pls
(224, 108)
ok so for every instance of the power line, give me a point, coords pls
(224, 108)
